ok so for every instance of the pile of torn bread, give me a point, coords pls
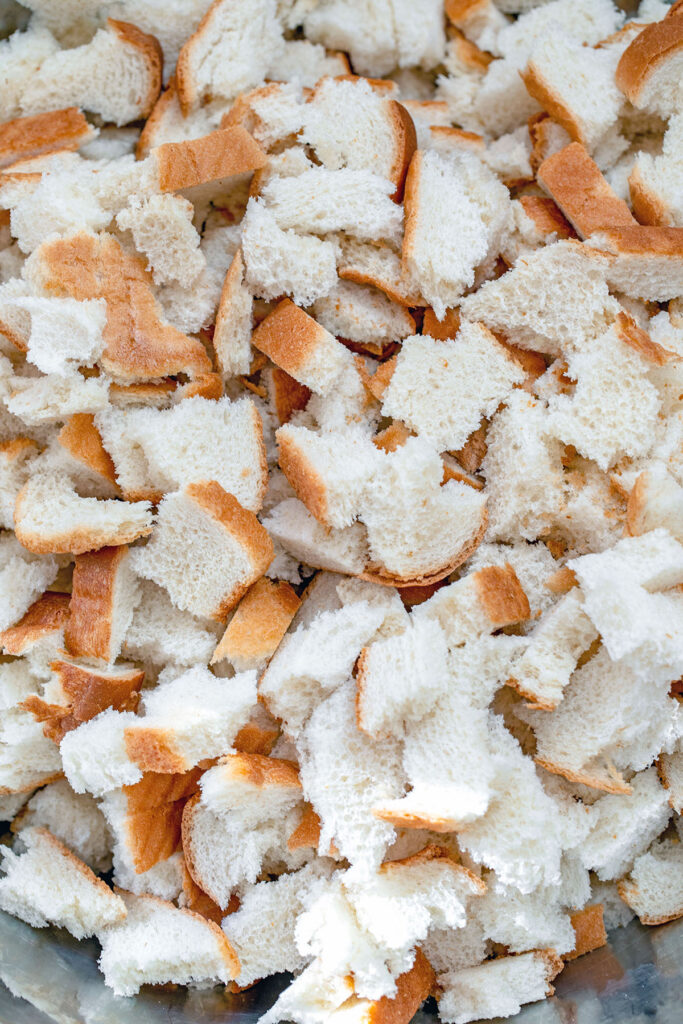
(341, 481)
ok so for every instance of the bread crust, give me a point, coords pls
(412, 988)
(396, 290)
(541, 90)
(81, 438)
(289, 337)
(223, 153)
(644, 240)
(201, 903)
(441, 330)
(256, 739)
(307, 833)
(547, 216)
(287, 395)
(307, 484)
(156, 119)
(75, 541)
(501, 595)
(65, 853)
(648, 207)
(581, 192)
(259, 623)
(137, 345)
(405, 144)
(47, 615)
(432, 851)
(589, 931)
(648, 52)
(153, 817)
(640, 341)
(56, 130)
(187, 91)
(602, 781)
(150, 48)
(88, 631)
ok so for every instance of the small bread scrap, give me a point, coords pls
(653, 888)
(58, 130)
(103, 599)
(648, 72)
(498, 987)
(589, 929)
(47, 884)
(46, 617)
(260, 621)
(583, 195)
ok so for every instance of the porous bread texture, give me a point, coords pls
(653, 888)
(73, 818)
(499, 987)
(232, 334)
(117, 74)
(291, 525)
(652, 180)
(46, 884)
(262, 930)
(94, 755)
(162, 230)
(206, 550)
(51, 517)
(644, 262)
(195, 950)
(460, 202)
(64, 333)
(443, 389)
(23, 577)
(363, 315)
(649, 71)
(188, 719)
(161, 634)
(156, 451)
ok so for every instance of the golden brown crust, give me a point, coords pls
(45, 616)
(580, 190)
(200, 903)
(82, 440)
(381, 378)
(412, 988)
(154, 808)
(666, 777)
(405, 144)
(644, 240)
(45, 780)
(651, 48)
(392, 437)
(287, 395)
(307, 833)
(232, 284)
(74, 541)
(256, 739)
(501, 595)
(137, 346)
(562, 581)
(307, 484)
(289, 337)
(415, 820)
(595, 778)
(433, 851)
(260, 771)
(395, 289)
(441, 330)
(459, 12)
(547, 216)
(260, 621)
(647, 205)
(640, 341)
(472, 453)
(242, 525)
(540, 89)
(376, 574)
(411, 209)
(150, 48)
(222, 154)
(589, 931)
(88, 632)
(43, 133)
(187, 93)
(152, 749)
(206, 385)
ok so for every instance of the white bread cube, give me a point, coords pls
(103, 599)
(194, 950)
(261, 931)
(28, 759)
(349, 125)
(443, 389)
(454, 199)
(206, 550)
(80, 453)
(296, 343)
(231, 50)
(91, 76)
(23, 578)
(417, 529)
(363, 315)
(529, 303)
(232, 335)
(653, 888)
(624, 825)
(649, 71)
(258, 625)
(283, 261)
(188, 719)
(398, 678)
(74, 819)
(237, 827)
(94, 755)
(162, 230)
(160, 633)
(644, 262)
(344, 774)
(64, 334)
(47, 884)
(51, 517)
(523, 923)
(555, 645)
(308, 541)
(499, 987)
(20, 57)
(652, 180)
(51, 399)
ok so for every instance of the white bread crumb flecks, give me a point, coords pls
(341, 493)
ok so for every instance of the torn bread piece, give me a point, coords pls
(188, 719)
(15, 466)
(232, 334)
(589, 931)
(455, 198)
(46, 884)
(51, 517)
(77, 693)
(670, 768)
(477, 604)
(649, 70)
(377, 265)
(656, 500)
(103, 599)
(57, 130)
(162, 230)
(412, 988)
(443, 389)
(73, 818)
(258, 625)
(583, 195)
(45, 618)
(653, 180)
(87, 458)
(349, 125)
(162, 634)
(94, 754)
(556, 643)
(653, 889)
(205, 168)
(137, 344)
(498, 987)
(364, 316)
(196, 950)
(302, 347)
(644, 262)
(309, 542)
(239, 792)
(224, 550)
